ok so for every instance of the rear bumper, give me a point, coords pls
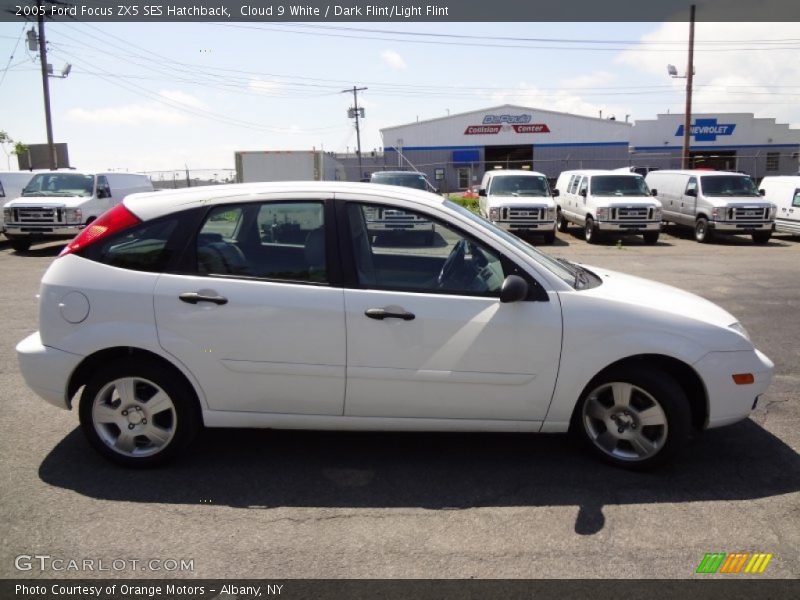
(787, 226)
(727, 401)
(46, 370)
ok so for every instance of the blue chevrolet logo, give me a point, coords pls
(707, 130)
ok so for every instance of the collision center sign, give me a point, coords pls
(493, 124)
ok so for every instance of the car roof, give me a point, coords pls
(149, 205)
(701, 172)
(500, 172)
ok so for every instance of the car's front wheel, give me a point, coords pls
(634, 418)
(137, 413)
(563, 224)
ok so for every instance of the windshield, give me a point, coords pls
(60, 184)
(561, 269)
(728, 185)
(619, 185)
(518, 185)
(411, 180)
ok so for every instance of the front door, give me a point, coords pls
(427, 336)
(258, 321)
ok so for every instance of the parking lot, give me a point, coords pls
(314, 504)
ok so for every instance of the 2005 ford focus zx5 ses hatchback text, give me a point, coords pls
(271, 305)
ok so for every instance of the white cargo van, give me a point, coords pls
(607, 201)
(519, 201)
(58, 204)
(713, 202)
(11, 185)
(784, 193)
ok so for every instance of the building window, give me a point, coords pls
(463, 178)
(773, 160)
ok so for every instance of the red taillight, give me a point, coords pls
(117, 219)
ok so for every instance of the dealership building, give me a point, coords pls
(456, 150)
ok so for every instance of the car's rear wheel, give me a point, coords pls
(137, 413)
(634, 418)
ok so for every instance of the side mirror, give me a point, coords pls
(762, 192)
(654, 192)
(583, 193)
(692, 193)
(514, 289)
(556, 193)
(482, 192)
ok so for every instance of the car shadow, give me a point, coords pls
(267, 469)
(43, 251)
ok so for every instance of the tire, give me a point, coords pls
(702, 232)
(609, 417)
(20, 244)
(146, 437)
(563, 224)
(761, 237)
(430, 238)
(650, 237)
(550, 237)
(590, 233)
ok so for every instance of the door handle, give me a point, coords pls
(380, 314)
(194, 298)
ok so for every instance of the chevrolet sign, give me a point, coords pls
(707, 130)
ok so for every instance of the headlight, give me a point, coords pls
(551, 212)
(718, 214)
(7, 214)
(739, 328)
(494, 214)
(602, 214)
(73, 215)
(657, 214)
(772, 210)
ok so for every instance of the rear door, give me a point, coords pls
(258, 313)
(427, 335)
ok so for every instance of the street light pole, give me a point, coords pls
(51, 149)
(355, 91)
(687, 123)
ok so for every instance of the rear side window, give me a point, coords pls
(796, 199)
(144, 247)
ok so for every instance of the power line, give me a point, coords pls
(11, 57)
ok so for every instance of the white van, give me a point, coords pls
(607, 201)
(713, 202)
(11, 185)
(784, 193)
(519, 201)
(58, 204)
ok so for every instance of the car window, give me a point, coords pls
(404, 260)
(141, 248)
(584, 185)
(573, 184)
(272, 240)
(692, 185)
(796, 199)
(103, 189)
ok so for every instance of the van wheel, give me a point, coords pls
(590, 233)
(761, 237)
(550, 237)
(136, 413)
(20, 244)
(650, 237)
(563, 224)
(702, 232)
(633, 417)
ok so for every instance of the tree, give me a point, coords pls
(17, 148)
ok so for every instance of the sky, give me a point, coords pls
(167, 96)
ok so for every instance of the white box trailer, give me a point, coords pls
(279, 165)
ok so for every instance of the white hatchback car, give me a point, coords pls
(271, 305)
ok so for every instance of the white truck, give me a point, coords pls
(713, 203)
(59, 204)
(11, 185)
(279, 165)
(608, 201)
(784, 193)
(518, 201)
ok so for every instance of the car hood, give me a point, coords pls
(47, 201)
(622, 288)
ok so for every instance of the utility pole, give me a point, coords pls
(354, 112)
(687, 123)
(51, 149)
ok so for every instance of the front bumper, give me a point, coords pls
(741, 227)
(632, 227)
(534, 226)
(727, 401)
(374, 226)
(54, 230)
(46, 370)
